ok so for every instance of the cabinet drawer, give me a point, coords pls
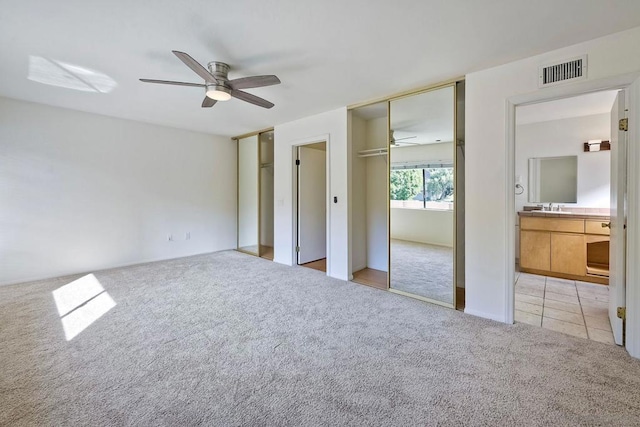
(595, 227)
(552, 224)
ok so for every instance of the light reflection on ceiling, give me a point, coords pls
(56, 73)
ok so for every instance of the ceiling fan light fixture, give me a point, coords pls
(219, 93)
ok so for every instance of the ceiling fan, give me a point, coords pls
(397, 141)
(216, 84)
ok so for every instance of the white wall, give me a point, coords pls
(566, 137)
(358, 192)
(488, 91)
(422, 225)
(331, 127)
(82, 192)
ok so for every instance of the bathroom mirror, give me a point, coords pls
(421, 195)
(248, 194)
(553, 179)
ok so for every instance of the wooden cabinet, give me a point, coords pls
(557, 247)
(568, 254)
(535, 250)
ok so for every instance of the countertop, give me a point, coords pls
(567, 215)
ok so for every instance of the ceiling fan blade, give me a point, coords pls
(256, 100)
(208, 102)
(253, 81)
(169, 82)
(195, 66)
(406, 137)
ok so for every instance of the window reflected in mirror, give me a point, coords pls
(421, 195)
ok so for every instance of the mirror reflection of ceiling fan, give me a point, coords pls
(399, 142)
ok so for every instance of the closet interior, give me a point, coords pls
(266, 195)
(255, 194)
(369, 173)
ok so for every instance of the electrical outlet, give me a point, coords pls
(170, 237)
(187, 236)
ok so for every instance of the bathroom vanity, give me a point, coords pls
(565, 245)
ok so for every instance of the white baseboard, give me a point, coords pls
(279, 261)
(339, 277)
(484, 315)
(66, 273)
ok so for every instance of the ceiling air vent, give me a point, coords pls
(572, 70)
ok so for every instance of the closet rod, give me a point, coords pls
(384, 153)
(373, 150)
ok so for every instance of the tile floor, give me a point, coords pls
(576, 308)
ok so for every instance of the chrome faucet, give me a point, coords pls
(550, 206)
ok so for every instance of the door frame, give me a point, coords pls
(620, 82)
(294, 194)
(617, 225)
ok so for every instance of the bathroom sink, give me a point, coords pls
(551, 212)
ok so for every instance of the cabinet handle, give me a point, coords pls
(606, 225)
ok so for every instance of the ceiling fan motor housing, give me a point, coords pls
(220, 71)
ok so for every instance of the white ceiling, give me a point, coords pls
(371, 111)
(327, 53)
(577, 106)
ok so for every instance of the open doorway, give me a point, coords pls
(565, 175)
(369, 175)
(311, 167)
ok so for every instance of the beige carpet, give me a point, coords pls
(228, 339)
(420, 269)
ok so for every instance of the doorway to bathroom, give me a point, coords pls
(569, 177)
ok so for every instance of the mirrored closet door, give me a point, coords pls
(422, 132)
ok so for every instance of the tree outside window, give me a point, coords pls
(427, 188)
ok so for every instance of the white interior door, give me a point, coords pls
(617, 248)
(312, 205)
